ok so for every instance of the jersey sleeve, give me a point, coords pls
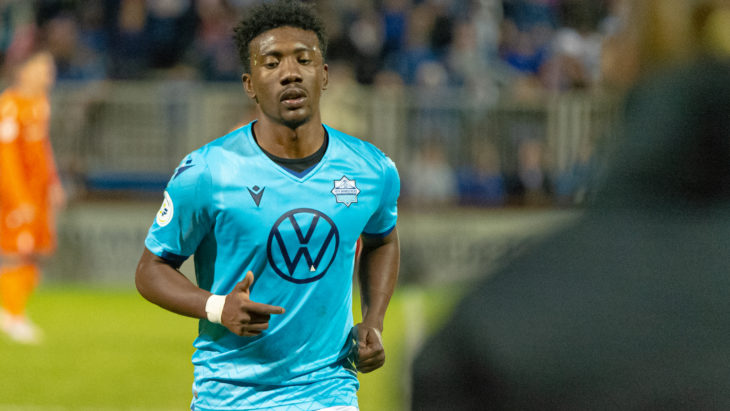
(185, 215)
(383, 221)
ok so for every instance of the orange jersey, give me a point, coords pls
(27, 172)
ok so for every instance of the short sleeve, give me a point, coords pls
(383, 221)
(184, 218)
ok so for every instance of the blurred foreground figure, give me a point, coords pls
(30, 191)
(627, 309)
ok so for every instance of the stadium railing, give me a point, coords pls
(129, 136)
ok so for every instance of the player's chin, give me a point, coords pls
(296, 118)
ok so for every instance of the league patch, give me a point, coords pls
(164, 216)
(345, 191)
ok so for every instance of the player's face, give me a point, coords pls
(287, 75)
(38, 74)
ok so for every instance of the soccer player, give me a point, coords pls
(30, 191)
(273, 212)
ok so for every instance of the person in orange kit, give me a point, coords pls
(30, 191)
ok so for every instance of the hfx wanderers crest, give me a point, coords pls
(345, 191)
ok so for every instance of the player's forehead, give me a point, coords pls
(283, 40)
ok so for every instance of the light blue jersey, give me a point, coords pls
(236, 210)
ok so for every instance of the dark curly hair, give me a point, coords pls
(271, 15)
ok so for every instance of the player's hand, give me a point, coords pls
(23, 214)
(57, 196)
(371, 353)
(243, 316)
(25, 243)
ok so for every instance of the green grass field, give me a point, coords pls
(112, 350)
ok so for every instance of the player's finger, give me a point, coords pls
(255, 308)
(259, 318)
(370, 366)
(372, 363)
(256, 326)
(245, 284)
(245, 332)
(367, 353)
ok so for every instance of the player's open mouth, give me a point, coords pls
(293, 97)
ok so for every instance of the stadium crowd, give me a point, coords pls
(521, 50)
(553, 43)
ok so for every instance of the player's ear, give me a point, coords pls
(248, 86)
(325, 76)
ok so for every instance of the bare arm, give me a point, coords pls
(378, 273)
(159, 282)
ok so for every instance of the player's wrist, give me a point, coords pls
(214, 308)
(376, 324)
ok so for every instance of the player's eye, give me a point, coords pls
(271, 64)
(304, 61)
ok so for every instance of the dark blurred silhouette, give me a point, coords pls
(627, 308)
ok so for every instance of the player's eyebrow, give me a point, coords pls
(278, 53)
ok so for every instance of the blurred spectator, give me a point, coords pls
(626, 309)
(130, 39)
(365, 34)
(17, 31)
(417, 51)
(171, 29)
(430, 180)
(74, 59)
(575, 55)
(526, 32)
(395, 20)
(217, 55)
(128, 44)
(480, 181)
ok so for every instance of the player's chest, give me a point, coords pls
(337, 198)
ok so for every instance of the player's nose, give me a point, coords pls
(290, 72)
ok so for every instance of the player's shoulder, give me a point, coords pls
(357, 146)
(221, 146)
(231, 141)
(210, 157)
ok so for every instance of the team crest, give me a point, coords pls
(164, 216)
(345, 191)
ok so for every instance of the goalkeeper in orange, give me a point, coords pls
(30, 191)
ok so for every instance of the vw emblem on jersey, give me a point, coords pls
(302, 245)
(345, 191)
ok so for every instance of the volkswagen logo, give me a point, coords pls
(302, 245)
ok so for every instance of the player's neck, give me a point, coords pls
(286, 142)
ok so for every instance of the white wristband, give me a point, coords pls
(214, 307)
